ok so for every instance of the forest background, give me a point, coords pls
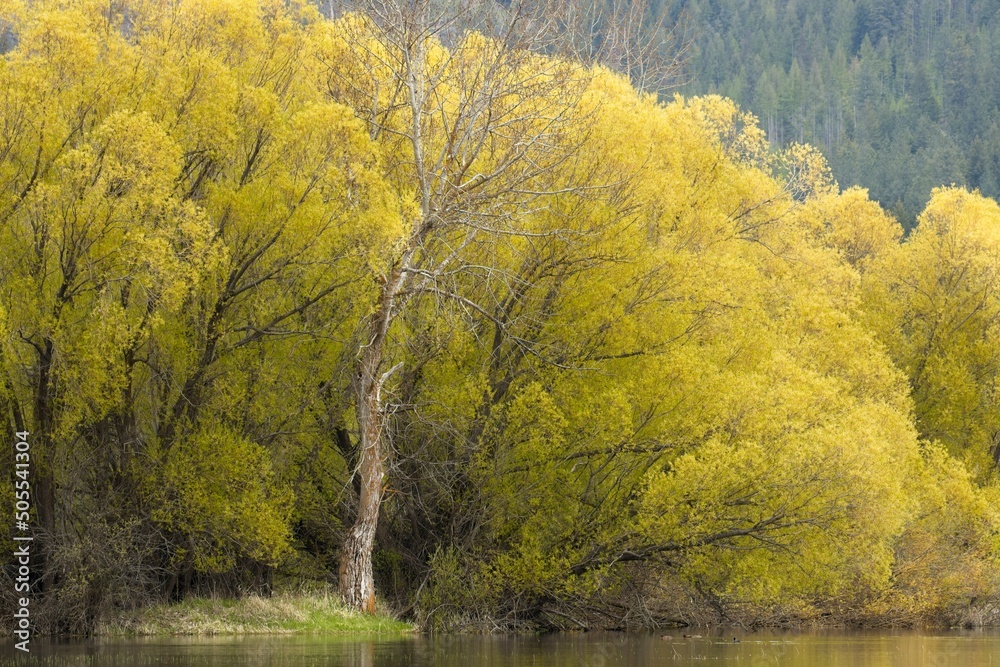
(449, 303)
(901, 97)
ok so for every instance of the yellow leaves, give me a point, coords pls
(852, 224)
(60, 41)
(966, 216)
(933, 302)
(92, 364)
(200, 167)
(117, 190)
(326, 145)
(742, 333)
(354, 64)
(174, 258)
(136, 154)
(214, 68)
(805, 172)
(948, 551)
(535, 424)
(803, 512)
(217, 489)
(737, 131)
(196, 97)
(229, 29)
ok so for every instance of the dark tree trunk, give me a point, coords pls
(44, 458)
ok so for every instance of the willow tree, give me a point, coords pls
(696, 423)
(934, 302)
(182, 243)
(475, 130)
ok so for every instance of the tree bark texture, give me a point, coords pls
(357, 583)
(356, 579)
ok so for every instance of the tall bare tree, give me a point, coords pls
(476, 106)
(474, 134)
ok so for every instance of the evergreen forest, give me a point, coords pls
(900, 95)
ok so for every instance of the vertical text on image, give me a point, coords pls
(22, 540)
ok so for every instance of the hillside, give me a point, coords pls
(901, 96)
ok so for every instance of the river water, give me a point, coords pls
(788, 649)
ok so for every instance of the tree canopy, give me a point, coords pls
(484, 329)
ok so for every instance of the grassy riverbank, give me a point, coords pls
(283, 613)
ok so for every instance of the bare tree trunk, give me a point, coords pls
(356, 579)
(357, 583)
(497, 143)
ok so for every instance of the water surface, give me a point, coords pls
(815, 649)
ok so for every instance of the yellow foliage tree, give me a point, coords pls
(381, 296)
(934, 302)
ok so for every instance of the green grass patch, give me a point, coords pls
(283, 613)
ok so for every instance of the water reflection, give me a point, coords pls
(817, 649)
